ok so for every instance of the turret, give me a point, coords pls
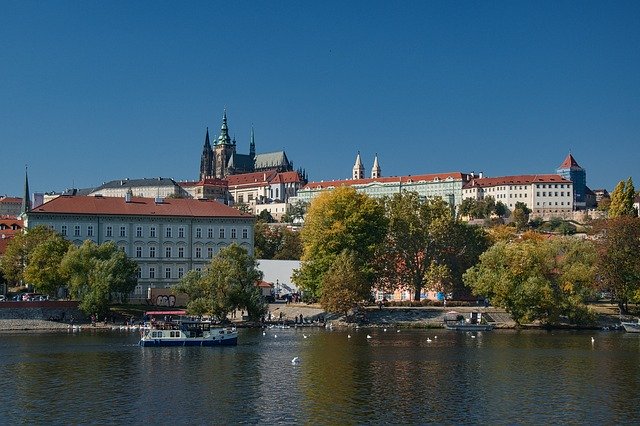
(376, 172)
(358, 168)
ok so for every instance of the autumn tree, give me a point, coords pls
(622, 199)
(537, 280)
(520, 215)
(339, 220)
(43, 269)
(276, 242)
(618, 245)
(18, 253)
(98, 274)
(228, 283)
(344, 285)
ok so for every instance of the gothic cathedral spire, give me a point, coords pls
(26, 198)
(252, 145)
(206, 161)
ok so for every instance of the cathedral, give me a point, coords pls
(221, 160)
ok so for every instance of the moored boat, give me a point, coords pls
(474, 322)
(174, 328)
(631, 327)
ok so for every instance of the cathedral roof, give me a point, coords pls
(271, 160)
(436, 177)
(251, 178)
(569, 163)
(242, 162)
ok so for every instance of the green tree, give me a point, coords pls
(266, 217)
(540, 280)
(521, 215)
(290, 247)
(618, 246)
(298, 210)
(228, 283)
(622, 200)
(344, 285)
(43, 269)
(276, 242)
(98, 275)
(424, 238)
(342, 219)
(17, 255)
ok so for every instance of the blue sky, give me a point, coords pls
(93, 91)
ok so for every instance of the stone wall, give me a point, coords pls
(40, 310)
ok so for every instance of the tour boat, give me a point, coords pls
(631, 327)
(175, 328)
(455, 321)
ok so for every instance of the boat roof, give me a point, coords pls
(150, 313)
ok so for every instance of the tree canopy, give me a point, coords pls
(540, 280)
(43, 269)
(622, 199)
(618, 245)
(339, 220)
(276, 242)
(97, 274)
(344, 285)
(229, 282)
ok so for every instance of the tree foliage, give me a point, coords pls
(43, 269)
(344, 285)
(276, 242)
(618, 245)
(540, 280)
(521, 215)
(18, 253)
(622, 199)
(425, 244)
(339, 220)
(98, 275)
(482, 209)
(265, 216)
(228, 283)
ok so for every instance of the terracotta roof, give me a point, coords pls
(206, 181)
(515, 180)
(456, 176)
(569, 163)
(138, 206)
(288, 177)
(264, 284)
(14, 200)
(7, 235)
(251, 178)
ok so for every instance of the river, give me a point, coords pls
(497, 377)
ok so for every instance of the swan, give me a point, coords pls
(295, 360)
(368, 337)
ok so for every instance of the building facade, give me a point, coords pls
(571, 170)
(10, 206)
(166, 237)
(543, 194)
(145, 187)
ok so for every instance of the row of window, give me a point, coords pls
(168, 252)
(552, 194)
(109, 232)
(168, 272)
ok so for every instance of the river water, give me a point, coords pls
(497, 377)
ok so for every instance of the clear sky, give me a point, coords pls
(92, 91)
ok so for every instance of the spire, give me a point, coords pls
(26, 198)
(569, 163)
(252, 145)
(358, 168)
(376, 172)
(207, 144)
(224, 131)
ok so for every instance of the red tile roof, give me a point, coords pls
(138, 206)
(515, 180)
(14, 200)
(391, 179)
(569, 162)
(206, 181)
(288, 177)
(7, 235)
(251, 178)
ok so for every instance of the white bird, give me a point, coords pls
(264, 333)
(593, 340)
(385, 329)
(348, 336)
(295, 360)
(473, 337)
(275, 336)
(429, 340)
(435, 337)
(305, 336)
(397, 331)
(368, 337)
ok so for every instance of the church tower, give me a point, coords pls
(252, 145)
(376, 172)
(206, 161)
(26, 199)
(223, 150)
(358, 168)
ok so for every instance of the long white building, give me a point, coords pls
(543, 194)
(166, 237)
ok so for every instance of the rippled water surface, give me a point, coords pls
(498, 377)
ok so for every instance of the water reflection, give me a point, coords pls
(496, 377)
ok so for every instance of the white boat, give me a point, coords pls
(174, 328)
(631, 327)
(474, 322)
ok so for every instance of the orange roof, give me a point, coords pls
(264, 284)
(391, 179)
(14, 200)
(288, 177)
(138, 206)
(515, 180)
(251, 178)
(569, 162)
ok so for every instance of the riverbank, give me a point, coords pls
(400, 317)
